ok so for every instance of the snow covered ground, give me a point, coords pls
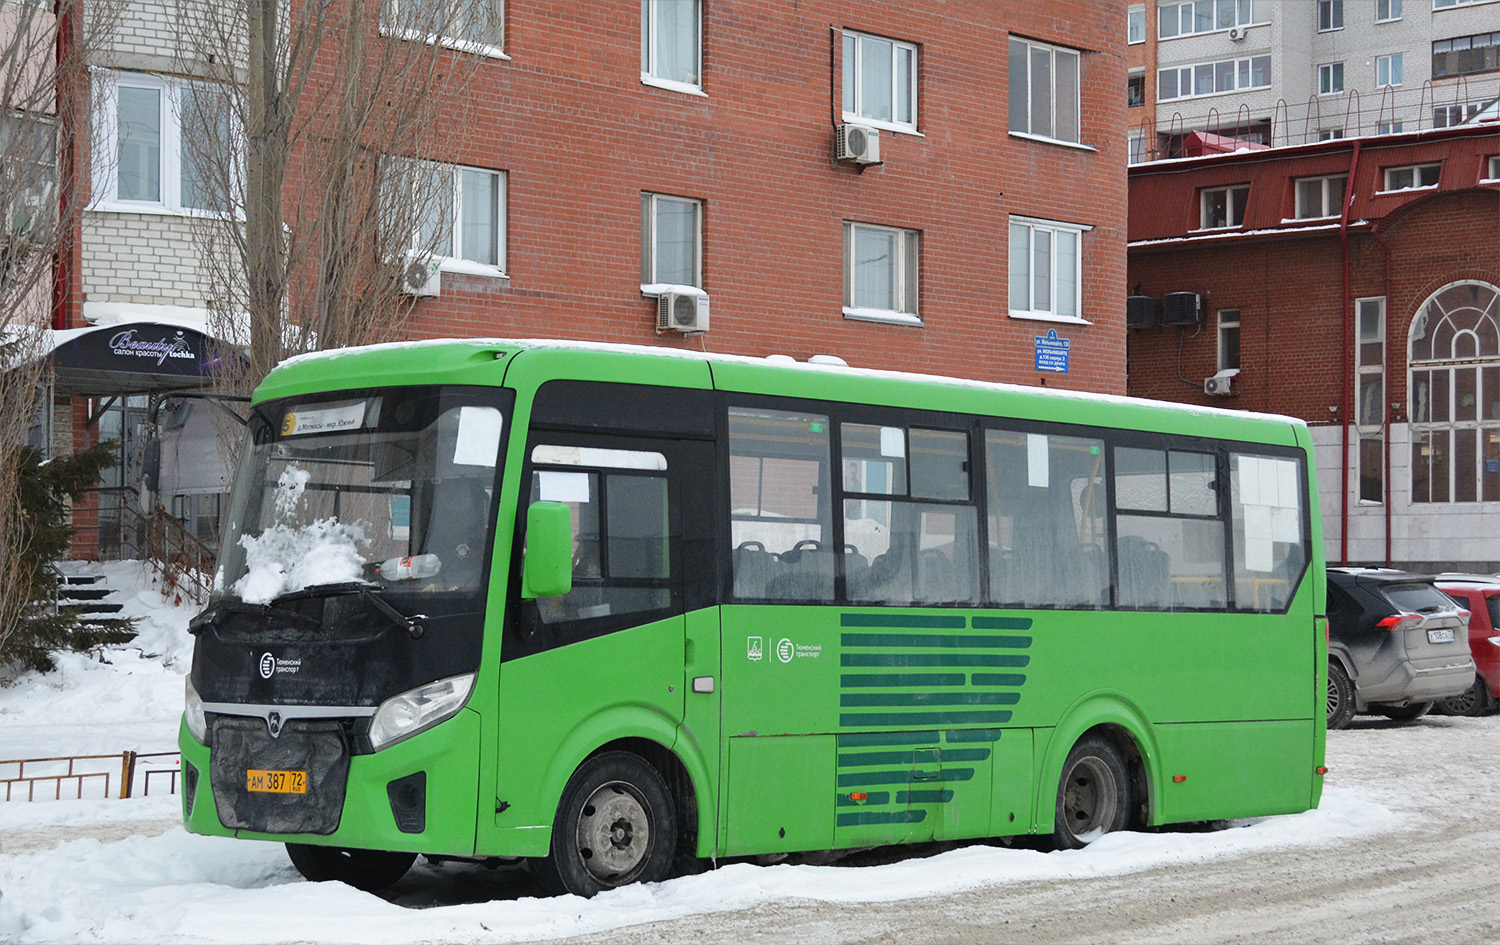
(101, 870)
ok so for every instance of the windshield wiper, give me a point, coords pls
(415, 625)
(216, 611)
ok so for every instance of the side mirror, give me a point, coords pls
(547, 570)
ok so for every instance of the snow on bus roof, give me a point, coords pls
(787, 363)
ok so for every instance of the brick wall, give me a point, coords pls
(581, 138)
(141, 259)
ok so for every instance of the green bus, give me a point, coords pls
(623, 611)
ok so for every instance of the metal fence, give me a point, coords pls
(128, 770)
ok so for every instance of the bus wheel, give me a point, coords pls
(1093, 795)
(363, 869)
(1340, 697)
(616, 825)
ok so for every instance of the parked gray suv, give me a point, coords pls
(1396, 644)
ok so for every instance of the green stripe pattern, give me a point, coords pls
(921, 698)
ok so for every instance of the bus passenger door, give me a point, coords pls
(605, 661)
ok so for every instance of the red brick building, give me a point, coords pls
(1355, 284)
(713, 125)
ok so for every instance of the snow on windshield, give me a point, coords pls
(286, 557)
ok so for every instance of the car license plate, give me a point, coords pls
(1444, 635)
(276, 782)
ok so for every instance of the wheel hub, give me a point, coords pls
(614, 834)
(1089, 799)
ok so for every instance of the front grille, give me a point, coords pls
(319, 748)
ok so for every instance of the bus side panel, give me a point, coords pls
(1012, 786)
(698, 740)
(777, 801)
(1235, 769)
(557, 707)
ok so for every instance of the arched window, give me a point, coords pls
(1455, 395)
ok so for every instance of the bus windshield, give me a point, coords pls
(389, 488)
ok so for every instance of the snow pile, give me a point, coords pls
(286, 558)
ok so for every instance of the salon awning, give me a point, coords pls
(138, 357)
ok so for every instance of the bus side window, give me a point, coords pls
(621, 530)
(1046, 520)
(907, 549)
(1270, 554)
(1170, 538)
(781, 533)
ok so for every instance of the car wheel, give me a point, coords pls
(1472, 701)
(616, 825)
(1093, 794)
(369, 870)
(1340, 696)
(1404, 713)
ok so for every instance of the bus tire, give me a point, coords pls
(369, 870)
(1093, 794)
(1340, 697)
(616, 824)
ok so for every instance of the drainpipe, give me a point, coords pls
(65, 97)
(1385, 406)
(1347, 398)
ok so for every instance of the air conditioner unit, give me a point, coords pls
(1181, 308)
(1237, 33)
(682, 311)
(421, 278)
(1140, 311)
(857, 143)
(1222, 383)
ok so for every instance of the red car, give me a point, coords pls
(1481, 595)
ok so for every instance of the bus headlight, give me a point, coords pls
(405, 715)
(192, 710)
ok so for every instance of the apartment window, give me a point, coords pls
(1330, 15)
(880, 81)
(1369, 397)
(1136, 141)
(880, 272)
(1330, 134)
(1466, 55)
(671, 240)
(1135, 89)
(1207, 16)
(471, 25)
(1455, 395)
(1213, 78)
(1387, 10)
(671, 48)
(1330, 78)
(465, 214)
(1388, 69)
(1320, 196)
(1444, 4)
(1135, 24)
(1229, 339)
(161, 132)
(1448, 116)
(1412, 177)
(1043, 90)
(1494, 172)
(28, 180)
(1046, 269)
(1222, 207)
(1388, 127)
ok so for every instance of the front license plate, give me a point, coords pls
(276, 782)
(1440, 636)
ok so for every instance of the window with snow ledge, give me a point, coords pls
(880, 82)
(1046, 270)
(671, 44)
(880, 273)
(1412, 177)
(671, 241)
(470, 26)
(462, 221)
